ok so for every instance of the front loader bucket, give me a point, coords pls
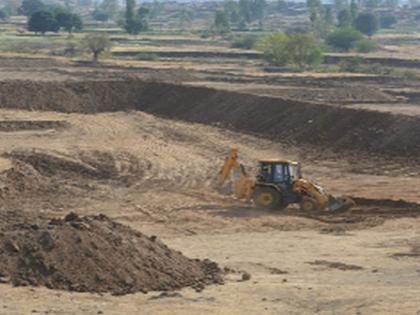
(340, 204)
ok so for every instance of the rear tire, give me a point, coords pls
(268, 198)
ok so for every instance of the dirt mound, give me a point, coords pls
(92, 164)
(19, 125)
(302, 123)
(18, 178)
(96, 254)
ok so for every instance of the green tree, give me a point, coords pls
(42, 22)
(329, 17)
(29, 7)
(303, 50)
(315, 9)
(340, 5)
(258, 10)
(344, 18)
(387, 20)
(133, 23)
(3, 14)
(232, 10)
(110, 7)
(96, 44)
(221, 23)
(100, 16)
(69, 21)
(245, 9)
(354, 9)
(252, 10)
(366, 23)
(130, 16)
(344, 38)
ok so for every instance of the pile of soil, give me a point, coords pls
(92, 164)
(96, 254)
(18, 178)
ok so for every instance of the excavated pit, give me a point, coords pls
(285, 120)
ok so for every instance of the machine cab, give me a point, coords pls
(278, 171)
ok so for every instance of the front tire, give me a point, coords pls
(268, 198)
(308, 204)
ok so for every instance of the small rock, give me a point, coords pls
(71, 217)
(246, 276)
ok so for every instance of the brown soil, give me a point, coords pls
(16, 125)
(96, 254)
(334, 265)
(301, 123)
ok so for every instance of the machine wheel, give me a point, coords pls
(268, 198)
(308, 204)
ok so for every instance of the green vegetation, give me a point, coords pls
(245, 42)
(29, 7)
(344, 18)
(96, 44)
(366, 23)
(387, 20)
(300, 50)
(69, 21)
(134, 22)
(344, 38)
(43, 22)
(357, 65)
(221, 24)
(365, 46)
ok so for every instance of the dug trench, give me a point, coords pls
(306, 124)
(146, 170)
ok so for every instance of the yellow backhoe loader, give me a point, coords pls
(279, 183)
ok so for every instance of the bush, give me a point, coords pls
(274, 48)
(245, 42)
(300, 50)
(147, 56)
(365, 46)
(351, 64)
(304, 50)
(344, 38)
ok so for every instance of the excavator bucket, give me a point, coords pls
(340, 204)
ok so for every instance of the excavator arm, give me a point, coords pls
(242, 184)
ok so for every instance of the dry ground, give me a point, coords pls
(299, 263)
(162, 182)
